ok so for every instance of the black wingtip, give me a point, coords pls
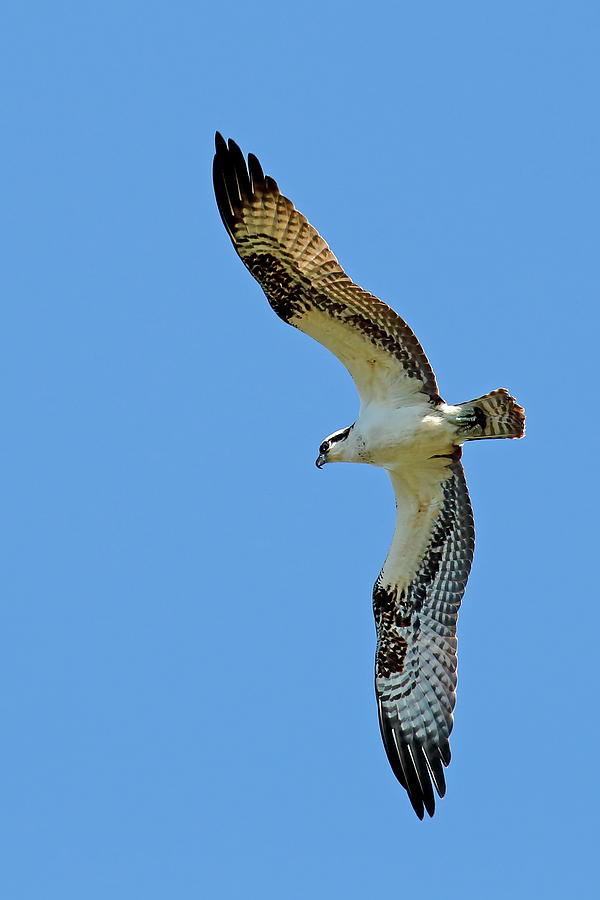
(231, 181)
(418, 808)
(236, 181)
(419, 797)
(409, 765)
(436, 769)
(220, 144)
(445, 753)
(271, 184)
(256, 173)
(422, 770)
(240, 167)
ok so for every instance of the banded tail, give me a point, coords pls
(498, 415)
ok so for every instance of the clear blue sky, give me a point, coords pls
(186, 637)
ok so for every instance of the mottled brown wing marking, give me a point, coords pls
(301, 277)
(390, 616)
(282, 290)
(416, 649)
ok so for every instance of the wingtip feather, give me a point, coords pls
(256, 173)
(220, 144)
(236, 179)
(409, 765)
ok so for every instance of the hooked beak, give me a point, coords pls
(321, 460)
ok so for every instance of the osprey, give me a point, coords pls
(404, 427)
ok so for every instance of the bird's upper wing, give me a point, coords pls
(307, 287)
(416, 600)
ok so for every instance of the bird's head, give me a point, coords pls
(333, 448)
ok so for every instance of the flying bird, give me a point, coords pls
(404, 427)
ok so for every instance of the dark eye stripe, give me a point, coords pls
(341, 436)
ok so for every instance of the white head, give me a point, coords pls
(336, 448)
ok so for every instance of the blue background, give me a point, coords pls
(186, 636)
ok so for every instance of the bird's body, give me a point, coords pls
(403, 426)
(397, 437)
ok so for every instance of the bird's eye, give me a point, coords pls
(324, 447)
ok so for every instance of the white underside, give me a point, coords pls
(412, 443)
(400, 438)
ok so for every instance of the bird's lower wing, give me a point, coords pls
(307, 287)
(416, 600)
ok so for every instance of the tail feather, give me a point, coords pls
(500, 416)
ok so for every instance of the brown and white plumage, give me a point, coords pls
(415, 615)
(307, 287)
(405, 427)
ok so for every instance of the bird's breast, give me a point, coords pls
(404, 434)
